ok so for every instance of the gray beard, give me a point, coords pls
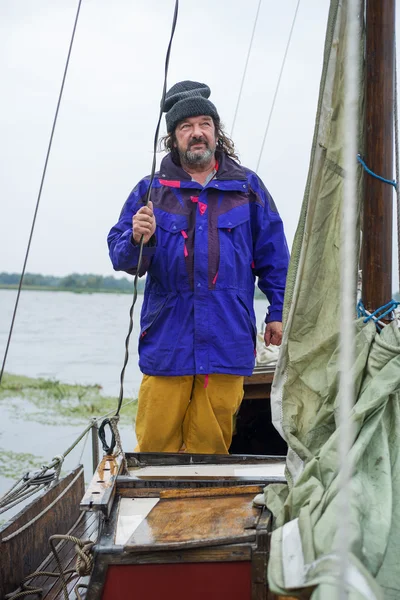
(196, 158)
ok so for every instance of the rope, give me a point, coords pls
(389, 181)
(28, 590)
(83, 566)
(153, 168)
(111, 412)
(112, 422)
(20, 498)
(277, 86)
(114, 426)
(245, 67)
(40, 192)
(76, 590)
(378, 314)
(30, 484)
(20, 491)
(43, 512)
(84, 561)
(348, 287)
(84, 445)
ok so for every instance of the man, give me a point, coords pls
(210, 228)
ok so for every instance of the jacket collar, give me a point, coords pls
(228, 169)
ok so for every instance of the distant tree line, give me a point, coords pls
(87, 282)
(74, 282)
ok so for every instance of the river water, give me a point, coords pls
(73, 338)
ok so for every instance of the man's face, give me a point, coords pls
(195, 140)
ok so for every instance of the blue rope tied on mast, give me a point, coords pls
(368, 170)
(378, 314)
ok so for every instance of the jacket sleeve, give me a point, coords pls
(270, 250)
(124, 253)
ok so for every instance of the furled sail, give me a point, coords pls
(305, 546)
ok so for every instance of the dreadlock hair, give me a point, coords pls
(224, 143)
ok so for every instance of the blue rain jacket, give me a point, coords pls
(210, 244)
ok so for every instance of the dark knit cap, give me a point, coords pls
(187, 99)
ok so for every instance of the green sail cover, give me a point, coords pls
(305, 551)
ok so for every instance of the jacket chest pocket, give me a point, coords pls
(171, 229)
(169, 264)
(235, 246)
(172, 232)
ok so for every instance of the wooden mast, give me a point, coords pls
(378, 196)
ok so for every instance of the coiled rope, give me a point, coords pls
(83, 566)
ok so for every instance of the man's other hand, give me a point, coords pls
(273, 333)
(143, 223)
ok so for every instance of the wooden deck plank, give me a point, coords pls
(194, 522)
(212, 492)
(142, 459)
(101, 490)
(52, 588)
(87, 528)
(69, 561)
(27, 534)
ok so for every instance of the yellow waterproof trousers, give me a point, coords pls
(194, 413)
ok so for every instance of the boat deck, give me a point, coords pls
(86, 528)
(181, 526)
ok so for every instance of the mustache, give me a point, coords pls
(197, 140)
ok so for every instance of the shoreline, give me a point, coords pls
(44, 288)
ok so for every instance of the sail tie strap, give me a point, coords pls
(389, 181)
(378, 314)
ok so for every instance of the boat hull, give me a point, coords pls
(27, 534)
(182, 526)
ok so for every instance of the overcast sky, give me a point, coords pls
(103, 141)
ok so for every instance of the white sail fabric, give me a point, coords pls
(305, 550)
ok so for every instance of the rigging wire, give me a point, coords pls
(153, 168)
(245, 68)
(40, 190)
(348, 285)
(278, 85)
(33, 483)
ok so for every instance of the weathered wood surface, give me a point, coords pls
(158, 483)
(378, 196)
(101, 491)
(196, 522)
(56, 511)
(192, 475)
(212, 492)
(253, 551)
(258, 385)
(86, 529)
(191, 492)
(143, 459)
(260, 553)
